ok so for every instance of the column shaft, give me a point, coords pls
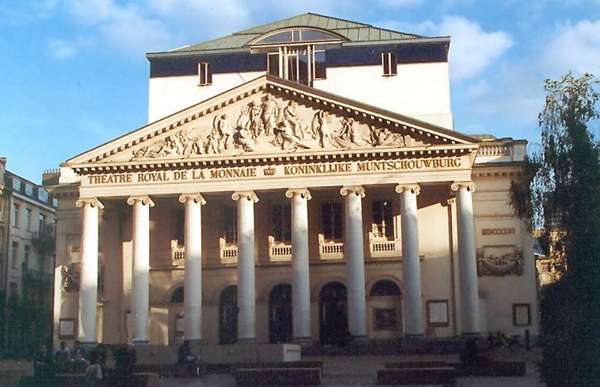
(467, 264)
(88, 286)
(411, 265)
(355, 261)
(140, 287)
(245, 267)
(192, 300)
(300, 265)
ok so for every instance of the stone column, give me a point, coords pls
(355, 261)
(192, 300)
(411, 265)
(88, 283)
(467, 264)
(140, 282)
(300, 265)
(246, 292)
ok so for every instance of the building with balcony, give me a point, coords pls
(27, 216)
(297, 181)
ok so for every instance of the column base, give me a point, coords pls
(88, 344)
(194, 341)
(246, 340)
(414, 336)
(303, 341)
(140, 342)
(360, 340)
(471, 334)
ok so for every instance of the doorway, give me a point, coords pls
(228, 314)
(333, 314)
(280, 314)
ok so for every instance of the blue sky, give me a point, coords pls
(73, 72)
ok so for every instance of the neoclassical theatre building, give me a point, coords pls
(297, 180)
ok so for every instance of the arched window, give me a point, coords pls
(385, 288)
(298, 35)
(177, 296)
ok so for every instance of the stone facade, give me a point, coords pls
(276, 211)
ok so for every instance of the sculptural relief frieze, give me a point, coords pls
(269, 125)
(499, 261)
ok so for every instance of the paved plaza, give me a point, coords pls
(341, 371)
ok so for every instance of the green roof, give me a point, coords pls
(352, 31)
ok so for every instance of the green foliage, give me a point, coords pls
(560, 188)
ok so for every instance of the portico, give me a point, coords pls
(210, 231)
(353, 257)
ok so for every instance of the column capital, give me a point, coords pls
(449, 203)
(93, 202)
(195, 197)
(469, 185)
(304, 192)
(144, 199)
(412, 188)
(357, 190)
(249, 195)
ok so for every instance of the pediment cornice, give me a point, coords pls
(190, 137)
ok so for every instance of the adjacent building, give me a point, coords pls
(27, 219)
(297, 180)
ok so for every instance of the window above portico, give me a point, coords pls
(296, 54)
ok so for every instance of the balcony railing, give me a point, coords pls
(177, 253)
(381, 247)
(330, 250)
(228, 252)
(279, 251)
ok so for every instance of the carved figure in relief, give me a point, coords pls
(321, 129)
(243, 139)
(270, 112)
(348, 135)
(291, 118)
(254, 123)
(286, 139)
(384, 137)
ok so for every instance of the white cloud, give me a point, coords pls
(62, 49)
(127, 27)
(400, 3)
(472, 49)
(573, 47)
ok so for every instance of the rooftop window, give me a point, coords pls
(298, 35)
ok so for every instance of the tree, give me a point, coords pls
(561, 190)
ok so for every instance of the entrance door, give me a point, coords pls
(333, 314)
(280, 314)
(228, 311)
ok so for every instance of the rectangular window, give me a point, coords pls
(320, 68)
(43, 195)
(331, 221)
(28, 189)
(12, 290)
(282, 222)
(273, 64)
(292, 67)
(389, 63)
(26, 257)
(28, 219)
(204, 74)
(16, 215)
(14, 254)
(229, 223)
(383, 219)
(42, 223)
(178, 225)
(16, 183)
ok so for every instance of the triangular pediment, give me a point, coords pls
(271, 117)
